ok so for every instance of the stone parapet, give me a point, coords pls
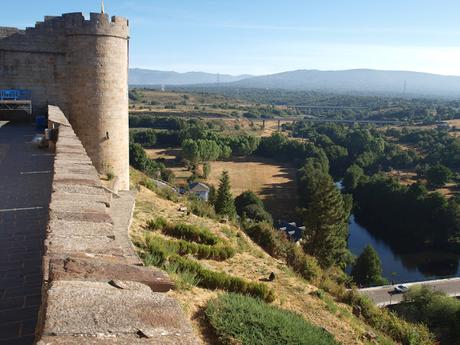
(92, 293)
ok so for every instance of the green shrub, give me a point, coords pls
(201, 251)
(191, 233)
(305, 265)
(387, 322)
(155, 254)
(201, 208)
(277, 245)
(218, 280)
(159, 223)
(239, 319)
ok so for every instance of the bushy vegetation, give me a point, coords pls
(220, 251)
(146, 138)
(139, 160)
(277, 245)
(191, 233)
(166, 193)
(244, 320)
(435, 309)
(160, 253)
(158, 223)
(367, 270)
(219, 280)
(387, 322)
(202, 208)
(249, 205)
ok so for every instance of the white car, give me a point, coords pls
(401, 288)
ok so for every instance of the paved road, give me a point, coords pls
(385, 295)
(25, 187)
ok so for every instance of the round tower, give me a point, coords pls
(97, 89)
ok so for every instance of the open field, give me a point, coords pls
(273, 182)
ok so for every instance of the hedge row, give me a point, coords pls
(277, 245)
(191, 233)
(201, 251)
(159, 255)
(219, 280)
(188, 232)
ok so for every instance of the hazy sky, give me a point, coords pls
(268, 36)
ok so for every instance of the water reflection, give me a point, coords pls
(399, 267)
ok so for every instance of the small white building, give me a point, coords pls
(200, 190)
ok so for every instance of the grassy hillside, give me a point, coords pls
(249, 263)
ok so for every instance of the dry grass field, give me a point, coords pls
(274, 183)
(250, 262)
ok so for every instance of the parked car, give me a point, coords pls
(401, 288)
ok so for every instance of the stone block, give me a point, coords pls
(102, 310)
(95, 217)
(71, 244)
(65, 228)
(90, 269)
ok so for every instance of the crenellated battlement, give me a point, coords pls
(7, 31)
(76, 23)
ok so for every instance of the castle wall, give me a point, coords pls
(82, 67)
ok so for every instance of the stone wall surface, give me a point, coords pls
(92, 291)
(81, 66)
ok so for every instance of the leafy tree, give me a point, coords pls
(247, 198)
(438, 175)
(206, 169)
(352, 177)
(248, 204)
(137, 157)
(190, 151)
(367, 270)
(146, 138)
(438, 311)
(224, 204)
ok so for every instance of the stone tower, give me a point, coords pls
(97, 59)
(81, 66)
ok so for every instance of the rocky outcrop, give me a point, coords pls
(93, 293)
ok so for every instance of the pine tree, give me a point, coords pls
(367, 270)
(225, 204)
(326, 220)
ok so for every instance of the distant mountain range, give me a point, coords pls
(138, 76)
(357, 80)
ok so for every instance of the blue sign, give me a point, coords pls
(15, 95)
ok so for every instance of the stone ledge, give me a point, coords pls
(119, 340)
(84, 229)
(90, 269)
(125, 308)
(92, 293)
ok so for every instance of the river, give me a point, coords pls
(401, 268)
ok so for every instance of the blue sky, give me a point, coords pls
(268, 36)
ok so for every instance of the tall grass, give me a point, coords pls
(191, 233)
(201, 251)
(162, 253)
(277, 245)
